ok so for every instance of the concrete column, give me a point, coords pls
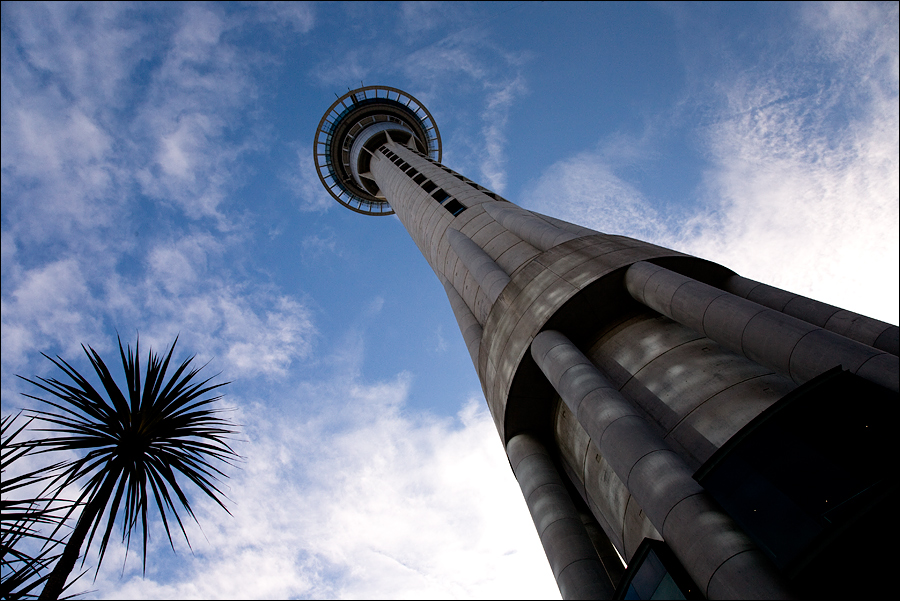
(573, 559)
(717, 554)
(579, 230)
(468, 324)
(490, 277)
(528, 227)
(606, 551)
(872, 332)
(793, 347)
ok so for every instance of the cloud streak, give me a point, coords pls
(799, 176)
(799, 192)
(360, 499)
(119, 149)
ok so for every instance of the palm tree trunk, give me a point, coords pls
(56, 582)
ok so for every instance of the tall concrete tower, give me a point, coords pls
(727, 439)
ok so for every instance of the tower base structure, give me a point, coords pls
(725, 438)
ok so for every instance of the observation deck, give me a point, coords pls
(354, 127)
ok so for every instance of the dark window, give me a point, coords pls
(411, 172)
(418, 178)
(812, 480)
(429, 186)
(655, 573)
(454, 207)
(440, 196)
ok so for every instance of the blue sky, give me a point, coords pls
(157, 177)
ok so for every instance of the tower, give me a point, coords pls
(725, 438)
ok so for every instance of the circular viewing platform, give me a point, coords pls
(354, 127)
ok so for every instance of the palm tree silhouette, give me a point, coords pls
(26, 552)
(129, 440)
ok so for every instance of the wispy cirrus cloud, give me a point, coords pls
(586, 189)
(120, 143)
(101, 107)
(436, 43)
(802, 187)
(193, 103)
(51, 305)
(301, 16)
(253, 330)
(805, 166)
(304, 183)
(495, 117)
(494, 75)
(346, 517)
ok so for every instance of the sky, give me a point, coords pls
(157, 180)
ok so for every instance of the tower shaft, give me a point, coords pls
(646, 395)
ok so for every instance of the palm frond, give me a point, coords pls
(26, 552)
(159, 433)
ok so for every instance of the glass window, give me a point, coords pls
(454, 207)
(812, 481)
(655, 573)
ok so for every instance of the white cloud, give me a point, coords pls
(58, 173)
(99, 103)
(90, 50)
(807, 179)
(50, 305)
(315, 247)
(301, 16)
(375, 305)
(440, 344)
(176, 265)
(418, 17)
(64, 70)
(585, 190)
(192, 104)
(254, 330)
(802, 188)
(347, 67)
(305, 184)
(493, 75)
(358, 499)
(495, 116)
(266, 344)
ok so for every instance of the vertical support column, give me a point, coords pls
(486, 272)
(530, 228)
(789, 345)
(872, 332)
(573, 228)
(468, 323)
(604, 547)
(713, 549)
(573, 559)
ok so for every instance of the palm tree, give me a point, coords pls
(127, 440)
(26, 553)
